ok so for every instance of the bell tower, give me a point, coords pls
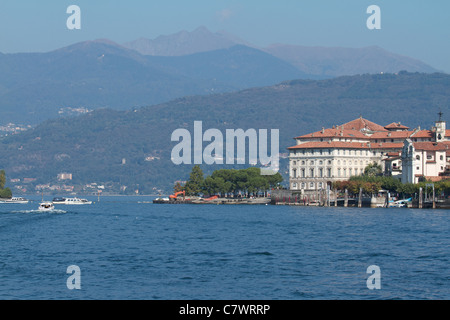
(440, 128)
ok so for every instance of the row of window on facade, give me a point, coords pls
(430, 157)
(310, 185)
(326, 172)
(342, 152)
(321, 162)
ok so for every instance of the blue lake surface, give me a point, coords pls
(129, 249)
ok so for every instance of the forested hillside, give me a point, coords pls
(133, 147)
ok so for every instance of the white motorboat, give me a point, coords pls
(400, 203)
(46, 206)
(71, 201)
(19, 200)
(161, 200)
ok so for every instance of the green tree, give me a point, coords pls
(373, 169)
(5, 193)
(194, 185)
(212, 186)
(274, 180)
(2, 179)
(178, 187)
(409, 188)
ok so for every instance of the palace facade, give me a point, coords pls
(335, 154)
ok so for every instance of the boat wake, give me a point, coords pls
(56, 211)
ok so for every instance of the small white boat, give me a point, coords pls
(161, 200)
(15, 200)
(400, 203)
(46, 206)
(71, 201)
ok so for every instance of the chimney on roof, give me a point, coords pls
(323, 130)
(389, 134)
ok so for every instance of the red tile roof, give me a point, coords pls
(346, 145)
(334, 132)
(387, 145)
(391, 135)
(436, 179)
(330, 145)
(423, 134)
(430, 146)
(361, 123)
(395, 125)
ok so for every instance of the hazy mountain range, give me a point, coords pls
(104, 74)
(317, 61)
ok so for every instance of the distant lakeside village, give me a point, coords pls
(347, 164)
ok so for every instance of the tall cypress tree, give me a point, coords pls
(4, 193)
(196, 180)
(2, 179)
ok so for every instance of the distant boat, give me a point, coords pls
(400, 203)
(71, 201)
(19, 200)
(46, 206)
(161, 200)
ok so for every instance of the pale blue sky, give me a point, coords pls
(416, 28)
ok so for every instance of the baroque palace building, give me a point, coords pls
(335, 154)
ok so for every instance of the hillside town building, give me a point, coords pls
(335, 154)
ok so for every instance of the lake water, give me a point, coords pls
(128, 249)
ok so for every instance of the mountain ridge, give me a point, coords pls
(325, 61)
(104, 74)
(98, 74)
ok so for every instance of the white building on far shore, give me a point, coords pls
(427, 160)
(334, 154)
